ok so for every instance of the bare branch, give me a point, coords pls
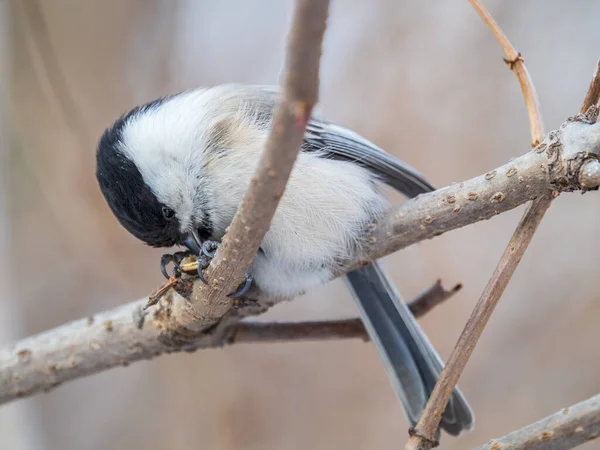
(58, 83)
(426, 429)
(207, 304)
(593, 94)
(430, 298)
(516, 63)
(563, 430)
(127, 334)
(423, 434)
(332, 329)
(524, 178)
(243, 332)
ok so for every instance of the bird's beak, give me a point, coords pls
(193, 242)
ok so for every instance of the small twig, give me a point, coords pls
(332, 329)
(430, 298)
(563, 430)
(155, 297)
(430, 419)
(515, 62)
(247, 332)
(593, 94)
(207, 304)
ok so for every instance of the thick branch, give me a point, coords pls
(563, 430)
(545, 168)
(127, 334)
(207, 304)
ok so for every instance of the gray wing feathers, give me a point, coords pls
(333, 141)
(390, 341)
(411, 362)
(340, 143)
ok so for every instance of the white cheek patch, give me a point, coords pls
(166, 146)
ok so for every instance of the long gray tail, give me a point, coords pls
(411, 362)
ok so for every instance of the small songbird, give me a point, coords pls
(174, 171)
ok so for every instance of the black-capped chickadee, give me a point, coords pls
(174, 172)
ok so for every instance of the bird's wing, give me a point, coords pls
(337, 142)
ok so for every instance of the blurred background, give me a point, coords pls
(424, 80)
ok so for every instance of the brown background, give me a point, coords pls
(425, 80)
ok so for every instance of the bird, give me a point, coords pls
(174, 170)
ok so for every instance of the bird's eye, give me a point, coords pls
(168, 213)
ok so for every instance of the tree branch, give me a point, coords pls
(563, 430)
(422, 436)
(128, 333)
(332, 329)
(205, 305)
(593, 94)
(516, 63)
(430, 298)
(424, 433)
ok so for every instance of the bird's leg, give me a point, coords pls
(207, 253)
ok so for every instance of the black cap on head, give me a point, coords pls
(130, 199)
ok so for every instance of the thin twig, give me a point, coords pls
(515, 62)
(430, 419)
(423, 435)
(593, 93)
(250, 332)
(430, 298)
(331, 329)
(563, 430)
(128, 333)
(300, 86)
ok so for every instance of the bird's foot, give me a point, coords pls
(176, 259)
(207, 253)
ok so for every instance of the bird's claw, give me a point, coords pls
(174, 258)
(246, 285)
(208, 250)
(207, 253)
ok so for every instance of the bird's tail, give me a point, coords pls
(411, 362)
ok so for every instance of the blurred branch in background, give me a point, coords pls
(42, 40)
(78, 219)
(17, 422)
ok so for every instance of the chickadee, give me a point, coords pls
(174, 172)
